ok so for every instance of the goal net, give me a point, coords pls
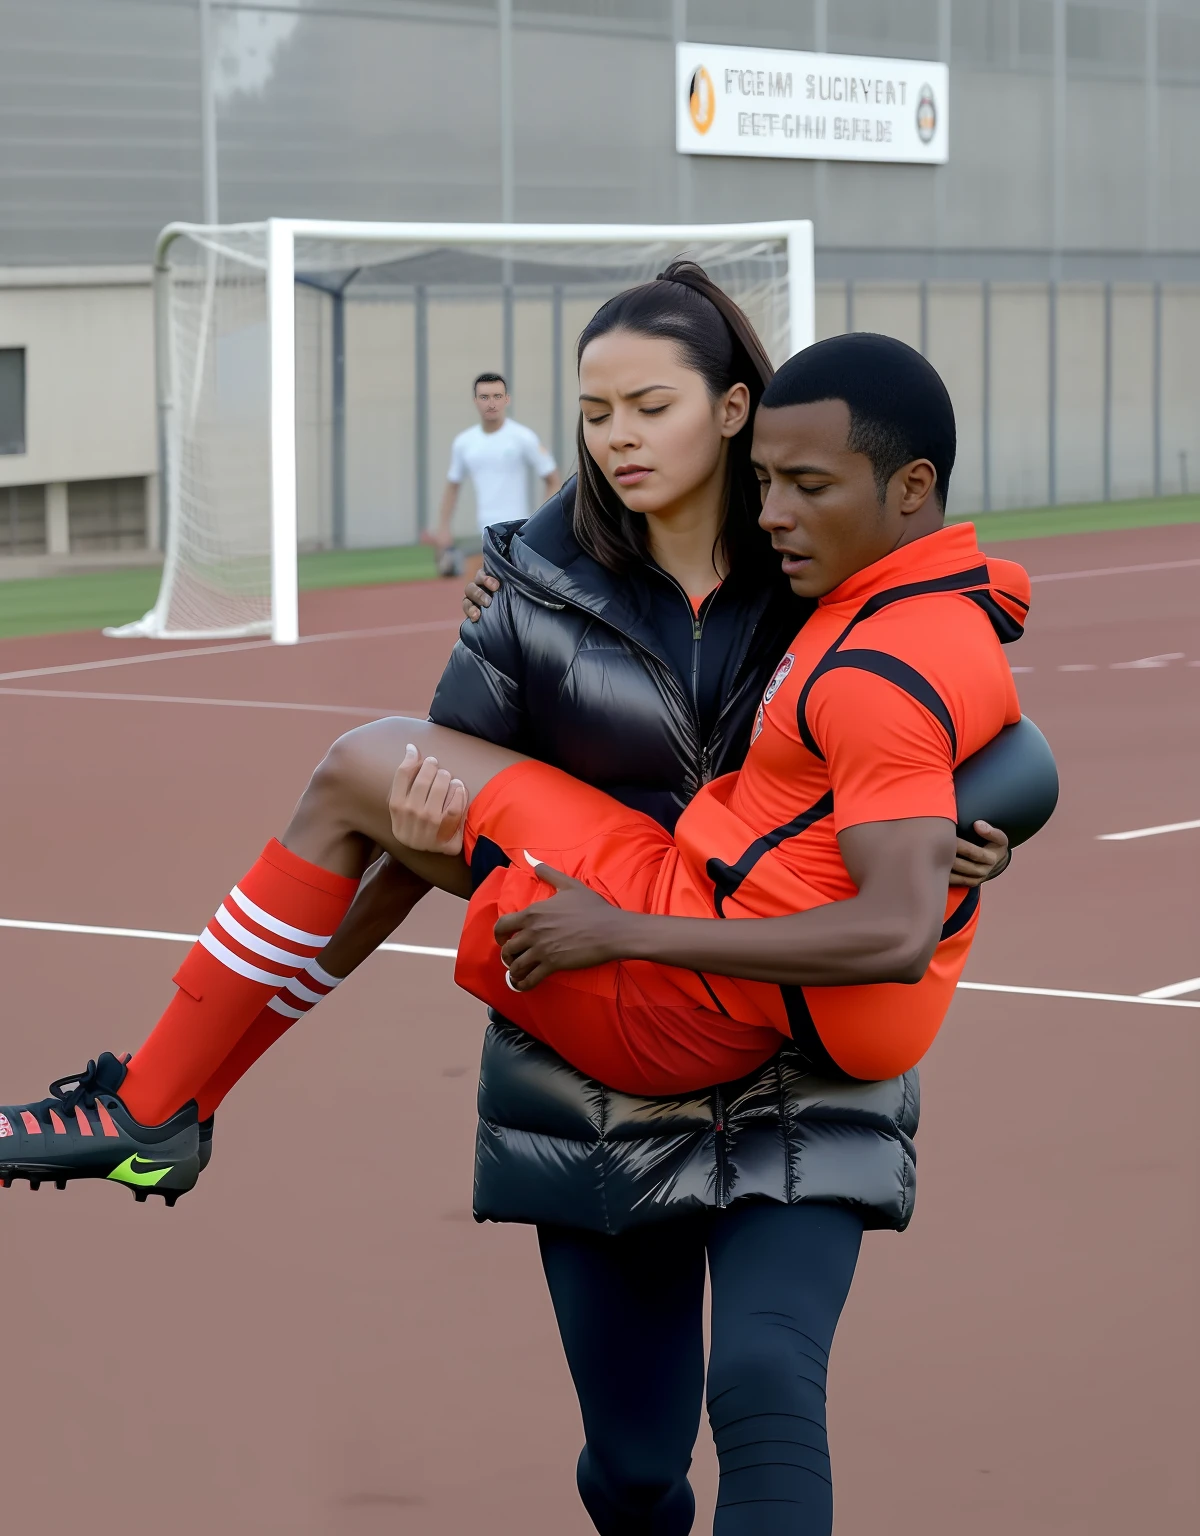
(312, 375)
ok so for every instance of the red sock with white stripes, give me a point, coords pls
(270, 926)
(305, 990)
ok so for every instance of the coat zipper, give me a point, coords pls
(705, 759)
(719, 1147)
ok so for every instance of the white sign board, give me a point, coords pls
(810, 106)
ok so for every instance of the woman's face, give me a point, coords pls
(650, 423)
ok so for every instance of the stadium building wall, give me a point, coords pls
(1072, 163)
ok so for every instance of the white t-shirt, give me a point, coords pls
(498, 463)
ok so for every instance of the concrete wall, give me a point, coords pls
(89, 374)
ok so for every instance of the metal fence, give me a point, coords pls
(1064, 391)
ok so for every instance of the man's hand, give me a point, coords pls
(479, 596)
(569, 932)
(428, 808)
(973, 863)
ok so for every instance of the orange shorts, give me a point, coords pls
(637, 1026)
(647, 1028)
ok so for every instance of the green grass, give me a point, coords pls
(366, 567)
(48, 605)
(93, 599)
(1087, 517)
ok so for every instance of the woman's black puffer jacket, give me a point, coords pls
(585, 670)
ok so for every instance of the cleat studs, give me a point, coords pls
(60, 1183)
(140, 1196)
(6, 1181)
(35, 1183)
(172, 1197)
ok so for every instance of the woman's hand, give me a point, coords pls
(973, 864)
(479, 596)
(570, 932)
(428, 808)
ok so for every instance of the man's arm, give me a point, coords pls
(441, 535)
(541, 461)
(887, 932)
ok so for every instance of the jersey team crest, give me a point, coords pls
(772, 688)
(781, 672)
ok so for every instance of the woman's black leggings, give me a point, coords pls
(630, 1312)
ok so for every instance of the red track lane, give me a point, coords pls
(320, 1341)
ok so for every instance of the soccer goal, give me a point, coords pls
(311, 375)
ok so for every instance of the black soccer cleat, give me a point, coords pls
(84, 1131)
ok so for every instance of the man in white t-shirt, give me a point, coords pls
(498, 455)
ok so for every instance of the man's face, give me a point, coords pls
(820, 503)
(491, 401)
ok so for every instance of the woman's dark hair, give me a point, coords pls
(714, 338)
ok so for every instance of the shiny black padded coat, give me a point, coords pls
(568, 665)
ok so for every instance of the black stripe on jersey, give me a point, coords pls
(1013, 598)
(726, 878)
(893, 670)
(961, 915)
(1007, 628)
(717, 1003)
(804, 1033)
(904, 676)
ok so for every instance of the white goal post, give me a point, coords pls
(251, 328)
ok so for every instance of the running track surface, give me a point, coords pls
(320, 1341)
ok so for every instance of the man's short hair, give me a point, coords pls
(490, 378)
(899, 408)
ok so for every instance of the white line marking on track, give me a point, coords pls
(1176, 989)
(1090, 997)
(175, 698)
(1125, 837)
(223, 650)
(1164, 660)
(1078, 666)
(1117, 570)
(451, 954)
(190, 938)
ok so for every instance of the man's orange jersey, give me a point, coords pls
(895, 679)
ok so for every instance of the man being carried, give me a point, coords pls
(498, 455)
(805, 895)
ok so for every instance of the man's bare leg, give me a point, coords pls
(344, 814)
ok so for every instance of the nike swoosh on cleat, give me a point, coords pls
(134, 1170)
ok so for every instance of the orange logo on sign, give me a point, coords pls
(702, 100)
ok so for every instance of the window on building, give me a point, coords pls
(1178, 45)
(889, 28)
(1035, 30)
(106, 514)
(12, 399)
(22, 520)
(1106, 40)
